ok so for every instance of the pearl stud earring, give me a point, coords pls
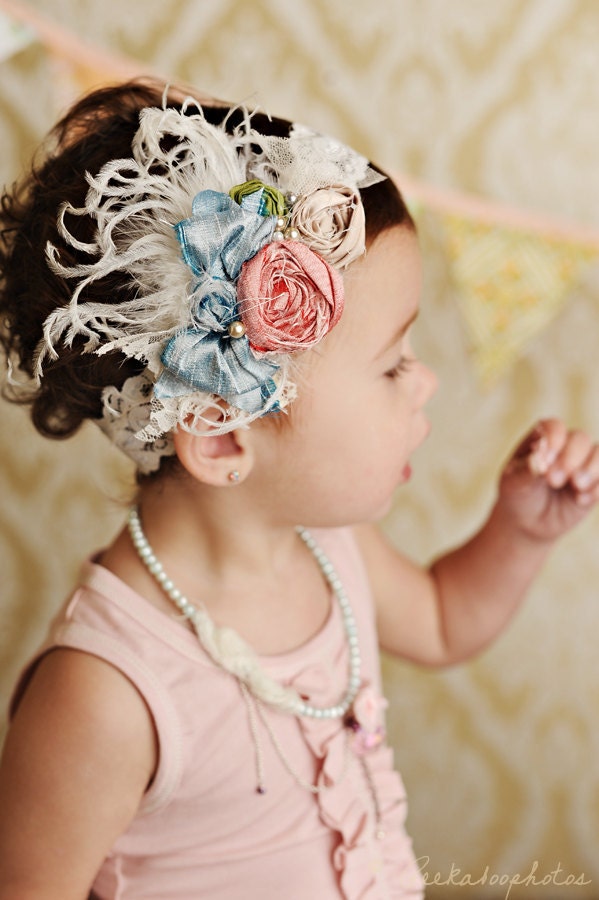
(233, 476)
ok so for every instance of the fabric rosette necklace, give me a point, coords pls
(229, 651)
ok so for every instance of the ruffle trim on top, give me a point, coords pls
(364, 801)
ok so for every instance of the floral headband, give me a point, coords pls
(233, 244)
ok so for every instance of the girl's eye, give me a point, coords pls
(398, 370)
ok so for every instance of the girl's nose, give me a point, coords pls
(428, 384)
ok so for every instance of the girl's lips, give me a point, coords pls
(406, 473)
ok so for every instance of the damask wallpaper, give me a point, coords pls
(500, 756)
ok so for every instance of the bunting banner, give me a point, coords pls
(510, 284)
(14, 36)
(513, 270)
(86, 58)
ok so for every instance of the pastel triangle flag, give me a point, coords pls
(14, 36)
(510, 285)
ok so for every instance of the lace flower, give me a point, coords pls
(332, 221)
(289, 297)
(126, 412)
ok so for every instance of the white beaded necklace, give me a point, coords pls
(229, 651)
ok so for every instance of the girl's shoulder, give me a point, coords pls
(82, 739)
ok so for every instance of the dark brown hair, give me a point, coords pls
(99, 128)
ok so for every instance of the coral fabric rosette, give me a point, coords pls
(332, 222)
(289, 297)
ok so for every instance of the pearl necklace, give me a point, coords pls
(285, 699)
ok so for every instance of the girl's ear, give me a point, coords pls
(216, 459)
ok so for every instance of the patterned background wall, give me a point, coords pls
(501, 756)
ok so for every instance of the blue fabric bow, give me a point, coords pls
(216, 241)
(221, 235)
(208, 359)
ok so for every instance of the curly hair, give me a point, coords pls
(98, 128)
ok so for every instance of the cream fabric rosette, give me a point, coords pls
(331, 220)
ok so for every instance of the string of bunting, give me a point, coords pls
(513, 271)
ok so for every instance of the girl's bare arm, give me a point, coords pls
(453, 610)
(78, 757)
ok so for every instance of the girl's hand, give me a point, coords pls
(551, 481)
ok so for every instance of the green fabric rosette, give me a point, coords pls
(260, 198)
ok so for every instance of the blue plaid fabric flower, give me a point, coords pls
(221, 235)
(216, 240)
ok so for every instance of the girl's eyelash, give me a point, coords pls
(402, 366)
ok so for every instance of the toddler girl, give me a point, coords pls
(229, 297)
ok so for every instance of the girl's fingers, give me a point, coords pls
(588, 496)
(574, 462)
(585, 478)
(564, 457)
(548, 440)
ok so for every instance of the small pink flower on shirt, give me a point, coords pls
(366, 721)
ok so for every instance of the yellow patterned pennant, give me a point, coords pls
(511, 284)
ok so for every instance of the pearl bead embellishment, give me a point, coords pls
(283, 231)
(236, 329)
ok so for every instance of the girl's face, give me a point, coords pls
(359, 413)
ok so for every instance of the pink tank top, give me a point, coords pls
(202, 829)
